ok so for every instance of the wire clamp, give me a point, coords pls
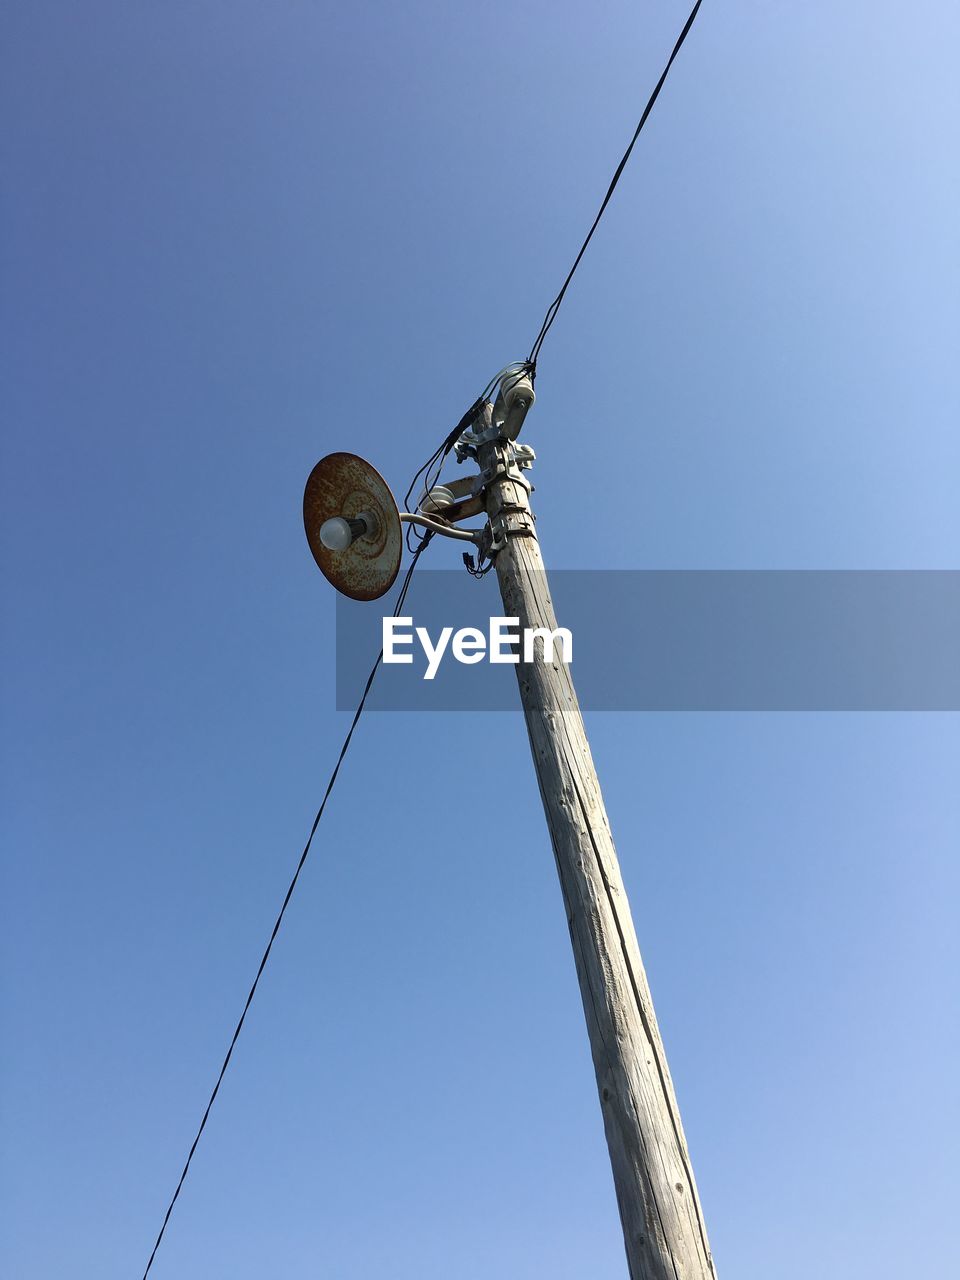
(509, 461)
(509, 522)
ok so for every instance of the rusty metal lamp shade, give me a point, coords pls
(342, 484)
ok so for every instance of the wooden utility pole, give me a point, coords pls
(663, 1226)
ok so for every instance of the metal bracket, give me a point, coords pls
(466, 446)
(509, 522)
(512, 524)
(509, 463)
(470, 441)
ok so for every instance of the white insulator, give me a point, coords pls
(513, 388)
(437, 498)
(517, 395)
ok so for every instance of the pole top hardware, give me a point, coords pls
(345, 492)
(508, 460)
(515, 399)
(523, 455)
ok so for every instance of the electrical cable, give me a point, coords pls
(436, 460)
(401, 598)
(434, 464)
(437, 525)
(432, 468)
(555, 305)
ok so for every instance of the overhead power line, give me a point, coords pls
(401, 598)
(554, 307)
(428, 475)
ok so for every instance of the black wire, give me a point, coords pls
(521, 369)
(478, 569)
(432, 469)
(555, 305)
(435, 463)
(401, 598)
(443, 449)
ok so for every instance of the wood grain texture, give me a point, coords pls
(663, 1226)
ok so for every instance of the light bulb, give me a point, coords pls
(336, 534)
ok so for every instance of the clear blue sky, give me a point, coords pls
(237, 236)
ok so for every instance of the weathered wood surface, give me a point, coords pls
(663, 1226)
